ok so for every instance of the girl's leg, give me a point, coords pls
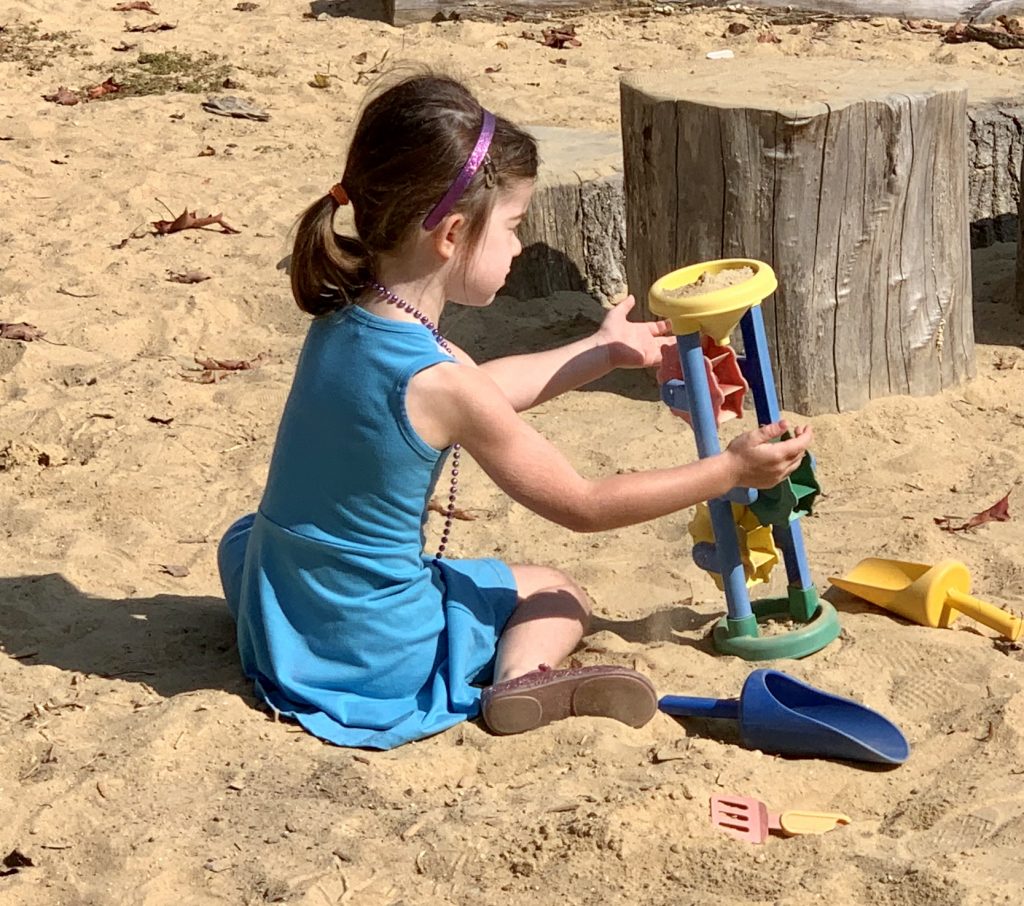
(547, 624)
(552, 614)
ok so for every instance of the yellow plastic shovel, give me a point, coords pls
(929, 595)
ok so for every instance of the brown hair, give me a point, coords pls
(409, 145)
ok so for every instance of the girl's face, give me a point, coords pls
(487, 265)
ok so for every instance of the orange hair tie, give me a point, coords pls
(339, 194)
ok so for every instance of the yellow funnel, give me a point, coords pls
(929, 595)
(714, 313)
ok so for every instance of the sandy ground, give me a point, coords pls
(134, 767)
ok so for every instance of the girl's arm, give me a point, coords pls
(533, 378)
(450, 401)
(530, 379)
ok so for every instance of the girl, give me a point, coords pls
(343, 623)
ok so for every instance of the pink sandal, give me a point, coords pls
(545, 695)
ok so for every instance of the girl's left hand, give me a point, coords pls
(633, 344)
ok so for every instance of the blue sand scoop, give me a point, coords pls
(783, 715)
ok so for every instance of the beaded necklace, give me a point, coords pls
(453, 489)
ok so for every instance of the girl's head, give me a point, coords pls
(411, 143)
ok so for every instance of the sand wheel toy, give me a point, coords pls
(758, 551)
(705, 303)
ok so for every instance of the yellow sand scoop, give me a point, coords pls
(930, 595)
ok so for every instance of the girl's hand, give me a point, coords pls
(633, 344)
(761, 461)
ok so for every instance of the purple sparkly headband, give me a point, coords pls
(466, 174)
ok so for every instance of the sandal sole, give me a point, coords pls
(626, 697)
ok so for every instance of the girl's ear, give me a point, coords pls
(448, 235)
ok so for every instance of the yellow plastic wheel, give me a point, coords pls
(757, 545)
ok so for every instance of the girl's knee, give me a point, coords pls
(532, 580)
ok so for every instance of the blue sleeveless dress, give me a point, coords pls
(343, 623)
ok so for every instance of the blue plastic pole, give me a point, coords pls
(758, 372)
(705, 428)
(758, 366)
(688, 706)
(790, 540)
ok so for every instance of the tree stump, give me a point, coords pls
(574, 236)
(850, 181)
(995, 149)
(1019, 287)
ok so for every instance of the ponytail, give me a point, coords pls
(328, 271)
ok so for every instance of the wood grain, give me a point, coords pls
(574, 235)
(995, 150)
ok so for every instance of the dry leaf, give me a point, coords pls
(1012, 24)
(156, 26)
(768, 37)
(558, 38)
(142, 5)
(457, 513)
(215, 369)
(64, 96)
(1003, 34)
(107, 87)
(227, 364)
(20, 331)
(173, 569)
(204, 377)
(207, 152)
(187, 277)
(187, 220)
(319, 80)
(246, 7)
(998, 512)
(918, 25)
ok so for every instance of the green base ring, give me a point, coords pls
(813, 636)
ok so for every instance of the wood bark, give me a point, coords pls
(574, 235)
(850, 181)
(1019, 294)
(996, 136)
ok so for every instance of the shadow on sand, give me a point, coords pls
(174, 643)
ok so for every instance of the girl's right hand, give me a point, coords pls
(761, 460)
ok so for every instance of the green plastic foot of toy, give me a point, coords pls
(803, 603)
(746, 628)
(812, 636)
